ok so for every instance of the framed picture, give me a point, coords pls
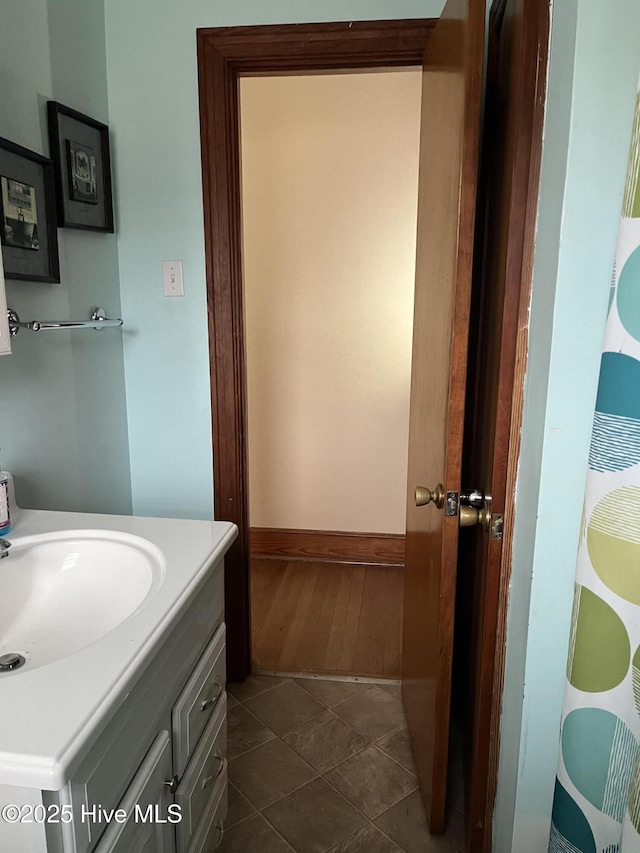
(27, 215)
(79, 148)
(5, 335)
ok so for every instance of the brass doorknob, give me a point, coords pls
(425, 496)
(470, 516)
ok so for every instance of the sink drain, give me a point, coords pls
(11, 661)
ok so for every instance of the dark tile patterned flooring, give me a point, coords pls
(321, 766)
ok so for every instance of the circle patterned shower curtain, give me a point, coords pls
(596, 807)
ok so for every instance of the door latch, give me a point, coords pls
(497, 526)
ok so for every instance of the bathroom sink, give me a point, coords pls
(60, 592)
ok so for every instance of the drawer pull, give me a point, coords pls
(209, 779)
(212, 701)
(216, 846)
(172, 784)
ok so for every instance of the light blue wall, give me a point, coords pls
(153, 105)
(587, 134)
(62, 407)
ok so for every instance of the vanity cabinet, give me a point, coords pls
(161, 757)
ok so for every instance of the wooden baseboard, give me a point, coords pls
(328, 546)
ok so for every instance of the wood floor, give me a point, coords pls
(329, 618)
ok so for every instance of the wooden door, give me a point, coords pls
(512, 143)
(451, 103)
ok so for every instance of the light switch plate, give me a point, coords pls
(172, 278)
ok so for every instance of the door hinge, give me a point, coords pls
(452, 503)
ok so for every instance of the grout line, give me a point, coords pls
(366, 817)
(400, 764)
(353, 805)
(353, 834)
(318, 775)
(302, 687)
(262, 692)
(257, 746)
(284, 797)
(393, 731)
(277, 832)
(280, 738)
(326, 781)
(364, 692)
(369, 820)
(413, 772)
(244, 820)
(370, 742)
(253, 748)
(353, 755)
(250, 712)
(386, 834)
(342, 702)
(341, 795)
(357, 696)
(337, 716)
(288, 731)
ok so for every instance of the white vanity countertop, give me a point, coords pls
(49, 714)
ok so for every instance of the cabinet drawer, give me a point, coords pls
(198, 700)
(200, 784)
(211, 830)
(148, 825)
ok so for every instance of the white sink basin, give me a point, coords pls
(60, 592)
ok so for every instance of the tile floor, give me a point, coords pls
(325, 767)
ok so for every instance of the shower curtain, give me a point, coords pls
(596, 806)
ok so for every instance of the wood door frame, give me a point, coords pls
(518, 281)
(224, 54)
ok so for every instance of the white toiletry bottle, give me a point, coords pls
(5, 511)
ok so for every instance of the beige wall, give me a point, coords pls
(329, 167)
